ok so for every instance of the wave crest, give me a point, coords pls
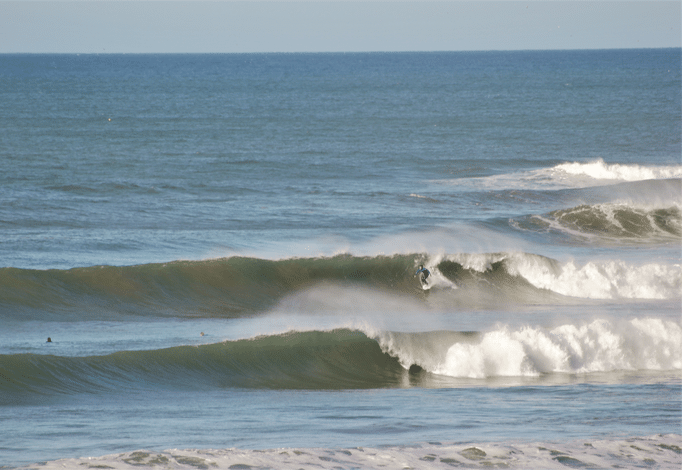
(517, 272)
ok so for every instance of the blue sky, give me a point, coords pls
(96, 26)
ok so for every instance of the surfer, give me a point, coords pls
(423, 273)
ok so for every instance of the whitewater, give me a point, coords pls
(209, 261)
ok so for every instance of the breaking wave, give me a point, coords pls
(238, 287)
(354, 359)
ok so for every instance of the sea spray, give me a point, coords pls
(600, 346)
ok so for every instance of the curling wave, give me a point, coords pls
(238, 287)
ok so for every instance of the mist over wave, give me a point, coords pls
(236, 287)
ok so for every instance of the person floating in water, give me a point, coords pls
(423, 273)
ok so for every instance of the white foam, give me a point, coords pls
(600, 346)
(599, 279)
(613, 279)
(659, 451)
(599, 170)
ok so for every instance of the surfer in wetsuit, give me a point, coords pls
(423, 273)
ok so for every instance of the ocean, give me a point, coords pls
(222, 252)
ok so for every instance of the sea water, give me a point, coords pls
(222, 250)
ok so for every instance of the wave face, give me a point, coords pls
(229, 287)
(517, 272)
(340, 359)
(237, 287)
(354, 359)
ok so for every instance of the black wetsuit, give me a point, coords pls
(424, 274)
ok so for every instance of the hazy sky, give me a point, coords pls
(330, 26)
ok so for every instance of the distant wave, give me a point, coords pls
(236, 287)
(615, 221)
(599, 170)
(572, 175)
(228, 287)
(354, 359)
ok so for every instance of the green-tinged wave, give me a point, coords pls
(241, 287)
(339, 359)
(354, 359)
(229, 287)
